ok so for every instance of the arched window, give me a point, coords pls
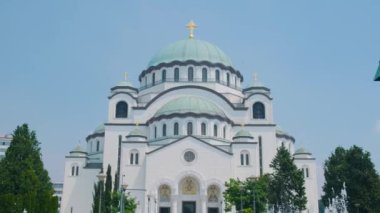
(189, 128)
(164, 130)
(153, 79)
(155, 132)
(213, 194)
(74, 170)
(163, 75)
(134, 157)
(175, 128)
(215, 130)
(164, 193)
(217, 76)
(204, 75)
(176, 74)
(77, 171)
(228, 79)
(146, 81)
(97, 146)
(121, 109)
(305, 171)
(258, 110)
(244, 158)
(224, 132)
(190, 74)
(203, 129)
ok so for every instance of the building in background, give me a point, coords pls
(176, 139)
(58, 189)
(5, 142)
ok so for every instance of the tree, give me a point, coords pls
(248, 189)
(108, 191)
(25, 184)
(286, 185)
(354, 169)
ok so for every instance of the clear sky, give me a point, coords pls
(58, 60)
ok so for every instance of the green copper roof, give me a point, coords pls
(190, 49)
(137, 132)
(99, 129)
(78, 148)
(377, 75)
(279, 130)
(243, 133)
(302, 151)
(190, 104)
(124, 84)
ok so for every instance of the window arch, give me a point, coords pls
(203, 129)
(305, 171)
(190, 74)
(74, 170)
(121, 109)
(204, 75)
(155, 132)
(258, 110)
(244, 158)
(153, 79)
(164, 193)
(176, 74)
(189, 128)
(217, 76)
(176, 129)
(97, 146)
(164, 130)
(215, 130)
(228, 79)
(224, 132)
(134, 157)
(163, 76)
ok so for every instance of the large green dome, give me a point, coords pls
(190, 49)
(190, 104)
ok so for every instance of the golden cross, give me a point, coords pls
(125, 76)
(191, 26)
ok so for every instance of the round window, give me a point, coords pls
(189, 156)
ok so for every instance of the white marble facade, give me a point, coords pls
(177, 138)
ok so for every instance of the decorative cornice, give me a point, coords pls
(189, 87)
(124, 87)
(237, 137)
(191, 62)
(251, 88)
(94, 135)
(232, 143)
(257, 93)
(121, 92)
(136, 136)
(288, 137)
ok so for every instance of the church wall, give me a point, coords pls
(112, 108)
(77, 191)
(310, 182)
(244, 171)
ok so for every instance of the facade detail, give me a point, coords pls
(185, 130)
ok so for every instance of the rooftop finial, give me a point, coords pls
(191, 26)
(125, 76)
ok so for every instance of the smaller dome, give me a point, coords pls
(100, 129)
(243, 134)
(124, 84)
(281, 131)
(78, 149)
(136, 133)
(301, 151)
(190, 104)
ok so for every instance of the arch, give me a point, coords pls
(164, 193)
(176, 129)
(190, 74)
(97, 146)
(153, 79)
(215, 130)
(244, 158)
(134, 157)
(217, 75)
(164, 130)
(258, 110)
(163, 76)
(204, 75)
(213, 193)
(228, 79)
(176, 74)
(121, 109)
(190, 129)
(191, 173)
(203, 129)
(189, 186)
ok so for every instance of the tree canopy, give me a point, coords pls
(25, 184)
(286, 191)
(353, 168)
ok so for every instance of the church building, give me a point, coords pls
(176, 139)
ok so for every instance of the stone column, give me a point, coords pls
(174, 203)
(204, 203)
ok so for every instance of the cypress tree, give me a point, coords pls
(108, 191)
(25, 184)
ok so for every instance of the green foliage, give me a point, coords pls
(354, 168)
(108, 191)
(247, 189)
(286, 184)
(25, 184)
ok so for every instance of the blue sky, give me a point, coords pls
(58, 60)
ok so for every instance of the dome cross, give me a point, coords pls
(191, 26)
